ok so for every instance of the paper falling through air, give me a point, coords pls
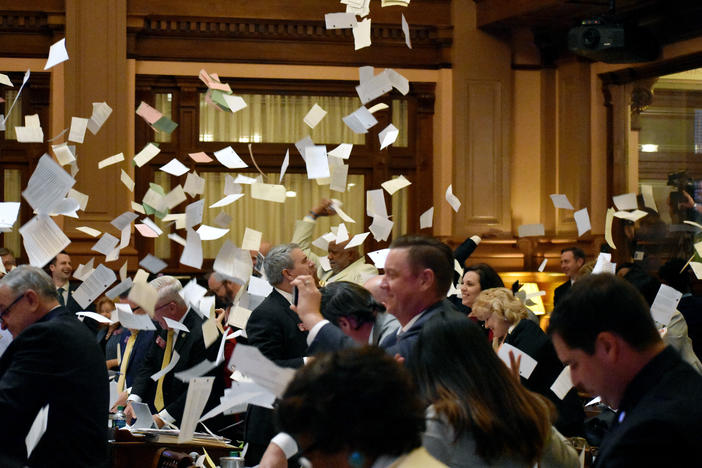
(426, 219)
(57, 54)
(452, 199)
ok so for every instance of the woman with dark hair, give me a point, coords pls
(355, 408)
(476, 278)
(479, 413)
(353, 309)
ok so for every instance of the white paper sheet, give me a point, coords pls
(37, 430)
(63, 153)
(379, 257)
(146, 154)
(211, 233)
(426, 219)
(582, 221)
(316, 162)
(625, 201)
(561, 201)
(374, 87)
(235, 103)
(8, 214)
(342, 234)
(342, 151)
(29, 134)
(543, 265)
(531, 230)
(192, 253)
(175, 357)
(126, 180)
(106, 244)
(357, 240)
(284, 166)
(57, 54)
(563, 383)
(194, 184)
(259, 287)
(48, 184)
(340, 20)
(360, 120)
(193, 213)
(252, 363)
(222, 219)
(649, 199)
(268, 192)
(632, 216)
(175, 167)
(78, 127)
(314, 116)
(665, 304)
(324, 263)
(362, 34)
(94, 286)
(175, 325)
(452, 199)
(111, 160)
(152, 263)
(134, 321)
(604, 264)
(527, 363)
(229, 159)
(177, 239)
(252, 239)
(388, 136)
(228, 200)
(393, 185)
(336, 206)
(406, 32)
(381, 228)
(375, 203)
(42, 240)
(101, 111)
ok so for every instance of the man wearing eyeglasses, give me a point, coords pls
(168, 393)
(53, 360)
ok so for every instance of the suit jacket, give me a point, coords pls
(190, 346)
(54, 361)
(358, 272)
(331, 338)
(528, 337)
(560, 292)
(659, 419)
(384, 326)
(275, 330)
(141, 347)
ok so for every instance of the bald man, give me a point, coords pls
(346, 264)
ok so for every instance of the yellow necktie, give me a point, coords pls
(158, 400)
(125, 361)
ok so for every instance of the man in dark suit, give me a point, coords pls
(168, 393)
(572, 259)
(604, 330)
(60, 269)
(277, 332)
(53, 360)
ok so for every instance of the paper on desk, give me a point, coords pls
(362, 34)
(37, 430)
(229, 159)
(94, 286)
(314, 116)
(340, 20)
(152, 263)
(57, 54)
(648, 198)
(625, 201)
(146, 154)
(582, 221)
(388, 136)
(381, 228)
(530, 230)
(101, 111)
(210, 233)
(174, 167)
(406, 32)
(360, 120)
(561, 201)
(63, 153)
(78, 127)
(379, 257)
(268, 192)
(543, 265)
(665, 304)
(527, 364)
(397, 183)
(563, 383)
(194, 184)
(8, 214)
(252, 363)
(632, 216)
(42, 240)
(608, 227)
(259, 287)
(193, 213)
(174, 360)
(452, 199)
(48, 184)
(111, 160)
(426, 219)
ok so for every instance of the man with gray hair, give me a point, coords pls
(168, 393)
(53, 361)
(277, 332)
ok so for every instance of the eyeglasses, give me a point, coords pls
(12, 304)
(162, 306)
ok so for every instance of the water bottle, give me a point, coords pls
(118, 420)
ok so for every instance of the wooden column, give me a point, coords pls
(96, 35)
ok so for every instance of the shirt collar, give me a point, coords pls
(409, 324)
(285, 294)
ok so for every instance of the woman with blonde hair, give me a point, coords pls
(508, 319)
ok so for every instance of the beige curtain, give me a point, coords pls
(399, 120)
(277, 220)
(12, 192)
(273, 118)
(16, 119)
(162, 244)
(162, 103)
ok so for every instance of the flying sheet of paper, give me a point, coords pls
(563, 383)
(582, 221)
(37, 430)
(192, 253)
(146, 154)
(284, 166)
(63, 153)
(236, 183)
(146, 231)
(95, 316)
(175, 197)
(625, 201)
(561, 201)
(251, 362)
(27, 74)
(193, 213)
(531, 230)
(175, 167)
(379, 257)
(210, 233)
(176, 325)
(174, 360)
(356, 240)
(101, 111)
(339, 175)
(148, 113)
(228, 200)
(233, 262)
(81, 198)
(340, 20)
(121, 288)
(342, 151)
(94, 286)
(696, 269)
(398, 81)
(426, 219)
(527, 363)
(259, 287)
(29, 134)
(302, 144)
(406, 32)
(336, 205)
(342, 234)
(665, 304)
(238, 317)
(268, 192)
(374, 87)
(393, 185)
(111, 160)
(251, 240)
(362, 34)
(648, 198)
(632, 216)
(324, 263)
(229, 159)
(314, 116)
(152, 263)
(200, 157)
(316, 162)
(360, 120)
(48, 184)
(234, 103)
(8, 214)
(381, 228)
(452, 199)
(106, 244)
(604, 264)
(222, 219)
(378, 107)
(388, 136)
(57, 54)
(144, 295)
(194, 184)
(210, 332)
(142, 414)
(78, 127)
(608, 227)
(375, 203)
(42, 240)
(89, 231)
(543, 265)
(126, 180)
(4, 79)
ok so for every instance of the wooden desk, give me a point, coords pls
(128, 450)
